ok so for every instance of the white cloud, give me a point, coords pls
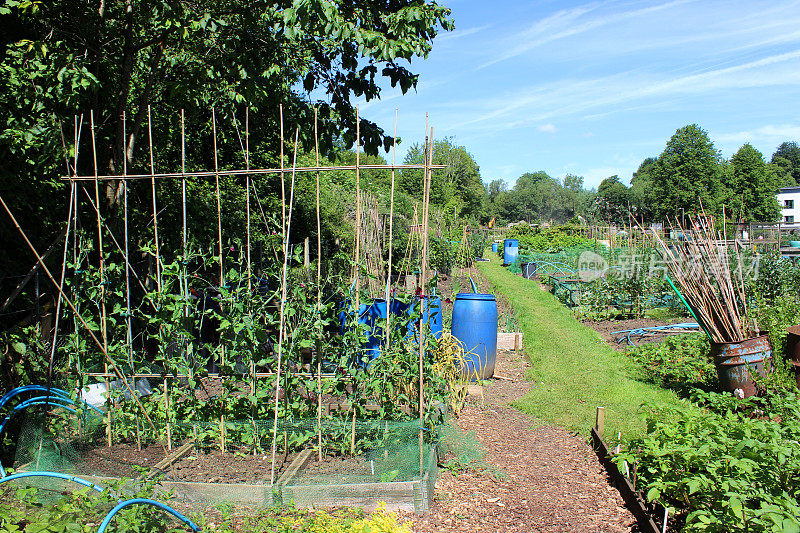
(566, 23)
(587, 135)
(457, 34)
(547, 128)
(767, 138)
(612, 94)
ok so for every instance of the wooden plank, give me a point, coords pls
(239, 493)
(298, 463)
(398, 495)
(634, 500)
(164, 463)
(508, 341)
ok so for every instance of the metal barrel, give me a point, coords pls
(737, 361)
(475, 327)
(793, 349)
(494, 247)
(510, 251)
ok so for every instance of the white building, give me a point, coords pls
(789, 204)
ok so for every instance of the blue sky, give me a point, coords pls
(593, 88)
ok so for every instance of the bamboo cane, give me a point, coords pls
(155, 211)
(319, 299)
(101, 259)
(282, 309)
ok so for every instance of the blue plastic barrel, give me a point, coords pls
(365, 317)
(475, 327)
(510, 251)
(431, 315)
(494, 247)
(377, 336)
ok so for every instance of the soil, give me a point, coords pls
(552, 479)
(617, 341)
(210, 466)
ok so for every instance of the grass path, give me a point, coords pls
(573, 369)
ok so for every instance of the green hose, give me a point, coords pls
(674, 288)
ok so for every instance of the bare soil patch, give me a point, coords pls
(202, 466)
(606, 329)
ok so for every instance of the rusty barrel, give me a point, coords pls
(793, 350)
(737, 361)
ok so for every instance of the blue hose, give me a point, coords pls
(642, 331)
(27, 388)
(474, 288)
(39, 400)
(57, 475)
(136, 501)
(116, 509)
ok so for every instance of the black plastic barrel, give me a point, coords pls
(475, 327)
(528, 270)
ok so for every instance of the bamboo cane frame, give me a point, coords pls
(80, 318)
(427, 166)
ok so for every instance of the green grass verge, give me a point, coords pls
(573, 369)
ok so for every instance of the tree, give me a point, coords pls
(457, 187)
(641, 190)
(786, 161)
(573, 193)
(686, 174)
(612, 199)
(752, 186)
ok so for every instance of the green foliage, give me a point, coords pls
(786, 162)
(752, 186)
(680, 362)
(687, 172)
(457, 189)
(556, 239)
(80, 511)
(732, 467)
(613, 200)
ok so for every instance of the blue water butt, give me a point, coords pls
(510, 251)
(431, 315)
(398, 307)
(376, 335)
(494, 247)
(364, 317)
(475, 327)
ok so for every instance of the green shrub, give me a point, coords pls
(732, 467)
(682, 362)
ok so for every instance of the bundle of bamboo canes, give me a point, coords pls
(700, 266)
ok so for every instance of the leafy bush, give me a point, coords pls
(681, 362)
(734, 466)
(557, 239)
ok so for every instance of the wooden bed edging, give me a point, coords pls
(633, 499)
